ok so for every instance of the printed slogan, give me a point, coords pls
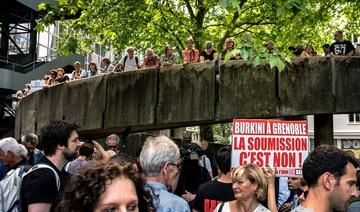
(274, 143)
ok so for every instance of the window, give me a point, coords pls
(354, 118)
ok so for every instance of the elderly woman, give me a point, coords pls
(151, 59)
(106, 187)
(190, 54)
(229, 46)
(249, 185)
(209, 54)
(169, 58)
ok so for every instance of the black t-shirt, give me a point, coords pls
(211, 194)
(64, 79)
(208, 56)
(39, 186)
(341, 48)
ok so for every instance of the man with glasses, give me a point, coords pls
(43, 184)
(161, 163)
(331, 176)
(112, 143)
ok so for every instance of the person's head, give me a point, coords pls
(149, 53)
(190, 43)
(60, 138)
(331, 170)
(249, 182)
(11, 152)
(92, 66)
(304, 191)
(60, 72)
(209, 45)
(86, 150)
(339, 36)
(326, 48)
(204, 145)
(160, 158)
(101, 187)
(223, 159)
(229, 44)
(53, 74)
(106, 61)
(112, 142)
(294, 183)
(269, 45)
(310, 49)
(77, 65)
(30, 141)
(130, 51)
(168, 50)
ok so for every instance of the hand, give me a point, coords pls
(286, 207)
(188, 196)
(270, 175)
(96, 144)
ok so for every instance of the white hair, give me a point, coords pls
(156, 152)
(11, 145)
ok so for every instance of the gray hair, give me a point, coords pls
(209, 44)
(30, 139)
(156, 152)
(113, 137)
(11, 145)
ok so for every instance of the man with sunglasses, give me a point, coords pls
(161, 163)
(331, 176)
(112, 143)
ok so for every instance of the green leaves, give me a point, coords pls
(257, 55)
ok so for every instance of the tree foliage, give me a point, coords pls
(155, 23)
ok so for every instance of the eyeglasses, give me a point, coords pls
(305, 193)
(112, 147)
(177, 164)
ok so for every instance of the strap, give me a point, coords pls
(45, 166)
(221, 206)
(125, 58)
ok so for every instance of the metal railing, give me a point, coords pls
(26, 67)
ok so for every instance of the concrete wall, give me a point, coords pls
(186, 95)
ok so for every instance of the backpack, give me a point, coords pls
(10, 187)
(136, 60)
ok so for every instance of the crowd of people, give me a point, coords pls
(68, 174)
(131, 62)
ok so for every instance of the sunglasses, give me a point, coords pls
(112, 147)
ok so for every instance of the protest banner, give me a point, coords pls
(275, 143)
(37, 85)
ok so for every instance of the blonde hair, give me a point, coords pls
(255, 175)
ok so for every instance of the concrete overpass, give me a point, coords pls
(186, 95)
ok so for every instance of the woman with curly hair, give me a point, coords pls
(106, 187)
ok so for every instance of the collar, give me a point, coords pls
(156, 185)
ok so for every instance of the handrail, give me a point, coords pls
(23, 66)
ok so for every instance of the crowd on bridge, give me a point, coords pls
(131, 62)
(59, 171)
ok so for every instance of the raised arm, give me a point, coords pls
(104, 155)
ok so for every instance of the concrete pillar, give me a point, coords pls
(323, 129)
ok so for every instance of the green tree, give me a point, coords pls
(155, 23)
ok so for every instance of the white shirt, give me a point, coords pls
(226, 208)
(130, 64)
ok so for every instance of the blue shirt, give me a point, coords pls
(165, 201)
(3, 170)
